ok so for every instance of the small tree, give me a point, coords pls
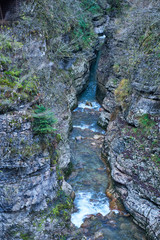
(43, 120)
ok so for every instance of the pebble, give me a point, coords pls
(78, 138)
(98, 235)
(100, 169)
(89, 104)
(96, 137)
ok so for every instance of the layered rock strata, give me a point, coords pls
(35, 200)
(129, 90)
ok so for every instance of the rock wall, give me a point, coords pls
(129, 90)
(40, 64)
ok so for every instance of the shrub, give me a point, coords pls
(43, 120)
(91, 6)
(146, 121)
(122, 91)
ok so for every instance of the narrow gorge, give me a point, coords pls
(80, 120)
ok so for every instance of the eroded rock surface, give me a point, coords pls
(44, 62)
(128, 87)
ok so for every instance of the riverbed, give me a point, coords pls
(89, 176)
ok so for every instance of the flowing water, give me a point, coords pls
(89, 176)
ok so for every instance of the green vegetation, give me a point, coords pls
(83, 33)
(43, 120)
(63, 206)
(26, 236)
(15, 87)
(146, 138)
(146, 122)
(91, 6)
(122, 92)
(59, 209)
(156, 159)
(74, 21)
(115, 6)
(68, 170)
(147, 125)
(150, 41)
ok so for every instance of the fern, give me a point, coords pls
(43, 120)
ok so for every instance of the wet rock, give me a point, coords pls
(104, 119)
(97, 137)
(79, 138)
(89, 104)
(93, 144)
(73, 195)
(87, 183)
(66, 187)
(90, 216)
(111, 223)
(98, 235)
(85, 230)
(72, 99)
(99, 215)
(81, 70)
(101, 169)
(73, 175)
(110, 215)
(124, 226)
(139, 236)
(86, 224)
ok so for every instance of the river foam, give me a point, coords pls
(83, 105)
(89, 203)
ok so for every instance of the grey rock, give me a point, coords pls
(128, 144)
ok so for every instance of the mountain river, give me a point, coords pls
(89, 176)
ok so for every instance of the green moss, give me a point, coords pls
(115, 81)
(58, 137)
(122, 92)
(155, 142)
(146, 121)
(116, 68)
(30, 150)
(14, 151)
(150, 42)
(156, 159)
(26, 236)
(83, 33)
(55, 157)
(12, 81)
(91, 6)
(146, 124)
(63, 208)
(15, 124)
(59, 173)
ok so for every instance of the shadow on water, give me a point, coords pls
(89, 175)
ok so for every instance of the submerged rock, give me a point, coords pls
(89, 104)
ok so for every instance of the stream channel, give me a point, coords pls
(89, 176)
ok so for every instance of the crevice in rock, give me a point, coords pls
(8, 8)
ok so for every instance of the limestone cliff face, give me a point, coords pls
(45, 59)
(129, 89)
